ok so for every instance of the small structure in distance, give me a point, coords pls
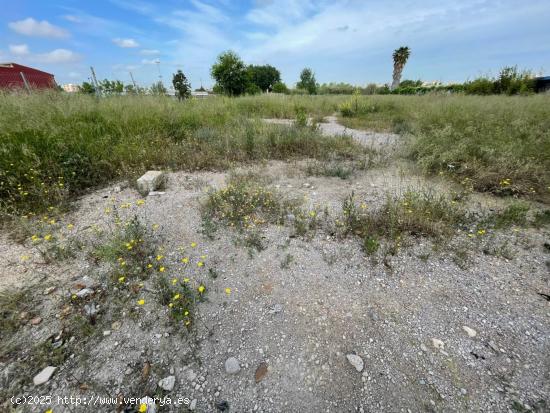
(16, 76)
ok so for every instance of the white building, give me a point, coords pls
(70, 87)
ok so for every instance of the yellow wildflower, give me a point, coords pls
(228, 291)
(161, 269)
(174, 281)
(149, 265)
(193, 244)
(176, 297)
(35, 238)
(185, 260)
(155, 227)
(25, 257)
(160, 257)
(70, 226)
(142, 408)
(186, 280)
(140, 202)
(171, 305)
(186, 312)
(121, 279)
(200, 264)
(481, 232)
(141, 301)
(47, 237)
(201, 288)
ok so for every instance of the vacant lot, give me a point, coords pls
(279, 267)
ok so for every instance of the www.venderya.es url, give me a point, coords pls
(96, 400)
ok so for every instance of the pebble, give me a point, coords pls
(43, 376)
(232, 365)
(470, 331)
(193, 404)
(35, 321)
(437, 343)
(355, 361)
(167, 383)
(85, 292)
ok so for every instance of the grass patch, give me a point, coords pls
(55, 146)
(412, 214)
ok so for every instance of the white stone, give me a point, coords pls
(167, 383)
(437, 343)
(150, 181)
(193, 404)
(43, 376)
(232, 365)
(470, 331)
(355, 361)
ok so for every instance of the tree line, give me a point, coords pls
(234, 77)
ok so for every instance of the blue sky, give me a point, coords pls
(341, 40)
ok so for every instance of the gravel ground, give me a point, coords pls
(431, 335)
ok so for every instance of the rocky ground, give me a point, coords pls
(302, 324)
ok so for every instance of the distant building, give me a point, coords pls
(70, 87)
(200, 94)
(14, 76)
(542, 84)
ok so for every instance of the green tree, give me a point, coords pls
(280, 87)
(307, 81)
(400, 57)
(230, 74)
(181, 85)
(87, 88)
(263, 76)
(111, 87)
(158, 89)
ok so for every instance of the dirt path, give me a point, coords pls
(331, 127)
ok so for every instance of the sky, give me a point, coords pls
(341, 40)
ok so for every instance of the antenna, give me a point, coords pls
(158, 68)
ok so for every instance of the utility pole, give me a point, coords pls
(158, 68)
(96, 85)
(133, 81)
(27, 86)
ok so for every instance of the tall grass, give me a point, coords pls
(499, 144)
(53, 145)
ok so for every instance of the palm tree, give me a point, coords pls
(400, 57)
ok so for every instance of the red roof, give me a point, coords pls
(10, 77)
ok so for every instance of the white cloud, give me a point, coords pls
(125, 43)
(72, 18)
(57, 56)
(149, 52)
(32, 27)
(19, 49)
(150, 61)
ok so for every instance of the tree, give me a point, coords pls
(230, 74)
(87, 88)
(263, 76)
(181, 85)
(111, 87)
(307, 81)
(158, 89)
(400, 57)
(280, 87)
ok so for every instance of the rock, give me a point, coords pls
(150, 181)
(193, 404)
(190, 375)
(167, 383)
(116, 325)
(261, 371)
(355, 361)
(437, 343)
(36, 320)
(277, 308)
(49, 290)
(43, 376)
(106, 333)
(470, 331)
(232, 365)
(85, 292)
